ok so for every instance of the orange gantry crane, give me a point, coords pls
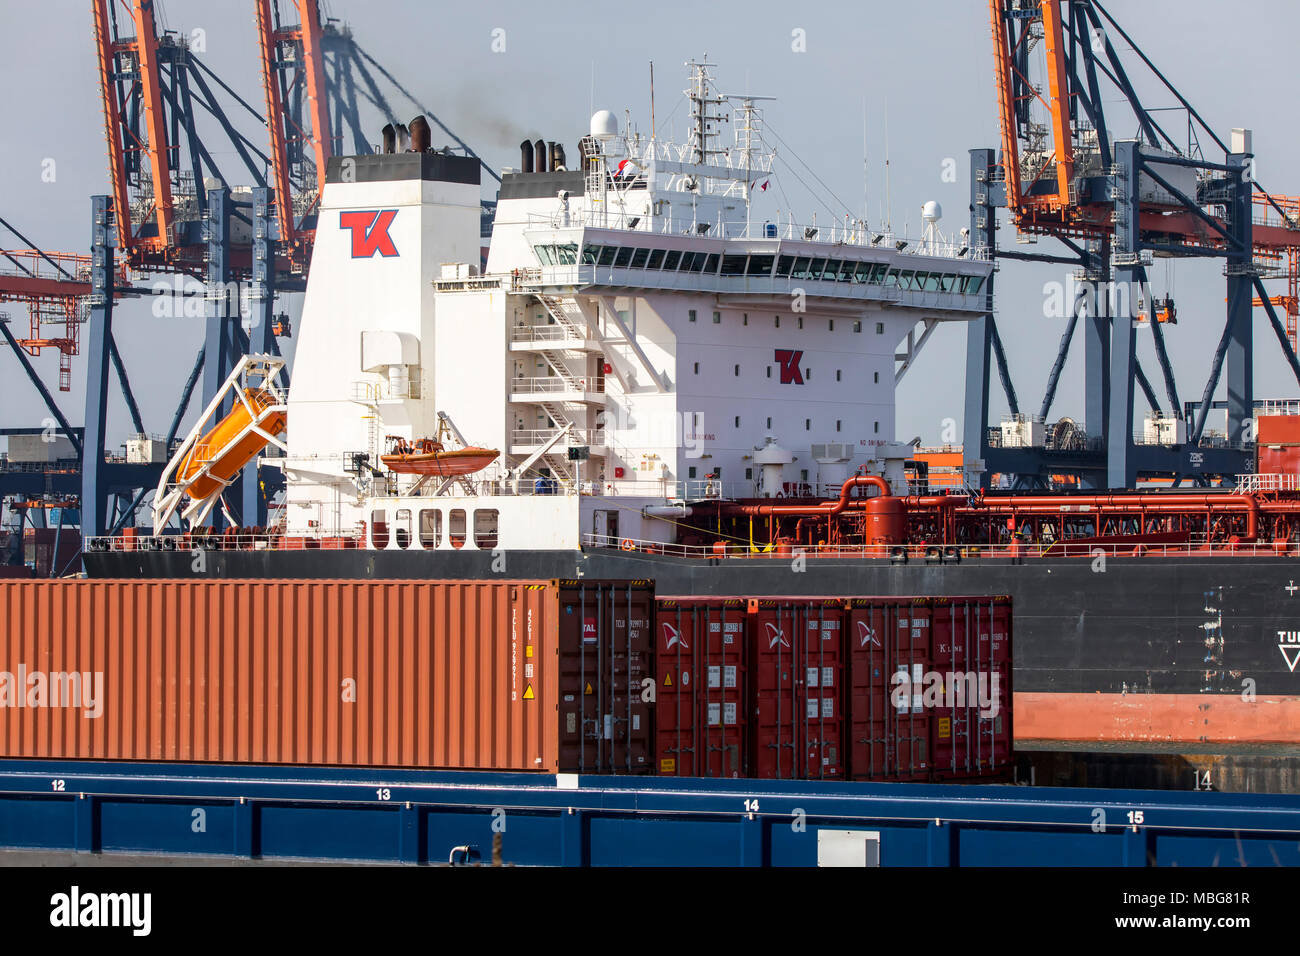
(1061, 68)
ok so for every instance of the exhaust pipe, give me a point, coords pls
(557, 157)
(421, 135)
(390, 138)
(526, 156)
(403, 139)
(539, 155)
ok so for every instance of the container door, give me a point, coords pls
(776, 692)
(606, 655)
(887, 644)
(994, 747)
(972, 645)
(911, 675)
(956, 718)
(797, 672)
(630, 707)
(677, 677)
(822, 654)
(871, 751)
(720, 692)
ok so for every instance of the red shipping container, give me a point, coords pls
(920, 674)
(888, 736)
(1278, 429)
(972, 640)
(606, 651)
(701, 709)
(797, 649)
(1278, 459)
(424, 674)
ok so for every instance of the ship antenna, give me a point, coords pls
(652, 107)
(889, 204)
(866, 198)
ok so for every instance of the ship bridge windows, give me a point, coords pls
(639, 258)
(784, 266)
(800, 268)
(972, 284)
(711, 263)
(733, 265)
(591, 255)
(672, 260)
(760, 265)
(563, 254)
(607, 255)
(656, 259)
(622, 257)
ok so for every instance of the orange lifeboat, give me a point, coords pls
(219, 450)
(426, 456)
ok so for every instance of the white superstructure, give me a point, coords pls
(644, 334)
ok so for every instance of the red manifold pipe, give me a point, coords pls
(1160, 504)
(822, 508)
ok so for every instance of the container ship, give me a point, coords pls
(648, 376)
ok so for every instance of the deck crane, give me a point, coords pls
(1113, 204)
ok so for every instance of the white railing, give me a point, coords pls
(590, 275)
(838, 233)
(544, 333)
(540, 436)
(554, 383)
(367, 393)
(940, 553)
(1253, 484)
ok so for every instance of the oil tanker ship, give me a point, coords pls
(654, 377)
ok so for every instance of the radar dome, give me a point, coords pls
(932, 211)
(604, 125)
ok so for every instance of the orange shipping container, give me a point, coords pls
(429, 674)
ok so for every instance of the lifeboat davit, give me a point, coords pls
(429, 457)
(219, 450)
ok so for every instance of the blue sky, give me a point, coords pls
(927, 67)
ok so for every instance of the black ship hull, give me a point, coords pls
(1179, 625)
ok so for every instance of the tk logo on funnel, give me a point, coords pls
(369, 232)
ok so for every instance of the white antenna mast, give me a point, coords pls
(866, 205)
(889, 199)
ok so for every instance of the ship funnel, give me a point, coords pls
(421, 135)
(557, 157)
(526, 156)
(390, 138)
(403, 139)
(539, 155)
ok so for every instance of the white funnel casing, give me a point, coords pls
(387, 225)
